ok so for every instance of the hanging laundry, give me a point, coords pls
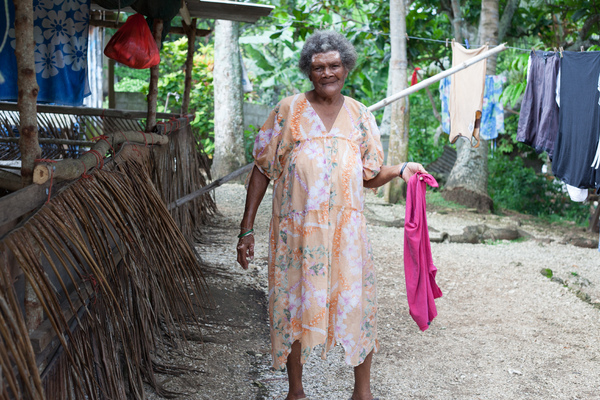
(419, 271)
(466, 95)
(578, 120)
(576, 194)
(445, 100)
(538, 120)
(492, 120)
(60, 33)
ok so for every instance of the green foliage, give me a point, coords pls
(514, 186)
(171, 80)
(515, 65)
(423, 127)
(272, 48)
(171, 84)
(436, 201)
(130, 85)
(249, 135)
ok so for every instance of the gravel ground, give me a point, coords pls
(503, 331)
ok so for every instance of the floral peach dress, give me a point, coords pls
(321, 275)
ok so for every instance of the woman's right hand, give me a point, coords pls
(245, 250)
(411, 169)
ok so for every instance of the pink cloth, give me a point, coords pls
(419, 270)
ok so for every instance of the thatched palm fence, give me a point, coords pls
(112, 269)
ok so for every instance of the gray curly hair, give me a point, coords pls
(322, 42)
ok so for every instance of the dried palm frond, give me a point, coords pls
(115, 277)
(178, 170)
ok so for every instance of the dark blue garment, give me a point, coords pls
(60, 34)
(578, 120)
(538, 119)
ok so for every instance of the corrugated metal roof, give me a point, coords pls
(213, 9)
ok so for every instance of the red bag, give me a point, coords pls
(133, 44)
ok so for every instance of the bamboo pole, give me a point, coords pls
(28, 88)
(153, 87)
(73, 169)
(214, 184)
(189, 64)
(436, 78)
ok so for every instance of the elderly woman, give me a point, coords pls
(320, 149)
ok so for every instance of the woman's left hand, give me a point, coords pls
(411, 169)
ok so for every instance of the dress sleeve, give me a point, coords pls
(267, 144)
(371, 149)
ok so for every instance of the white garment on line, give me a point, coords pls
(576, 194)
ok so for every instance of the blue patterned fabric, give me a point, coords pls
(60, 33)
(492, 119)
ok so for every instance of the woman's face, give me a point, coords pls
(327, 73)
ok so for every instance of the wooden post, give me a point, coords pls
(153, 88)
(190, 31)
(111, 83)
(28, 88)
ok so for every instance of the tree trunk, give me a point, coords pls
(227, 81)
(398, 145)
(507, 16)
(28, 88)
(457, 21)
(467, 183)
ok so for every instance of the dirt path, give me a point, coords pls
(504, 331)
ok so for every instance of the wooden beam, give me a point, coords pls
(10, 181)
(73, 169)
(86, 111)
(21, 203)
(51, 141)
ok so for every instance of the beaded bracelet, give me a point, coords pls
(250, 232)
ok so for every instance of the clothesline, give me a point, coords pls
(448, 41)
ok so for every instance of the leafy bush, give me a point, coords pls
(128, 84)
(249, 136)
(514, 186)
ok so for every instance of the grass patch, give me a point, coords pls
(435, 200)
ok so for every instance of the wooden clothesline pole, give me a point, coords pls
(438, 77)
